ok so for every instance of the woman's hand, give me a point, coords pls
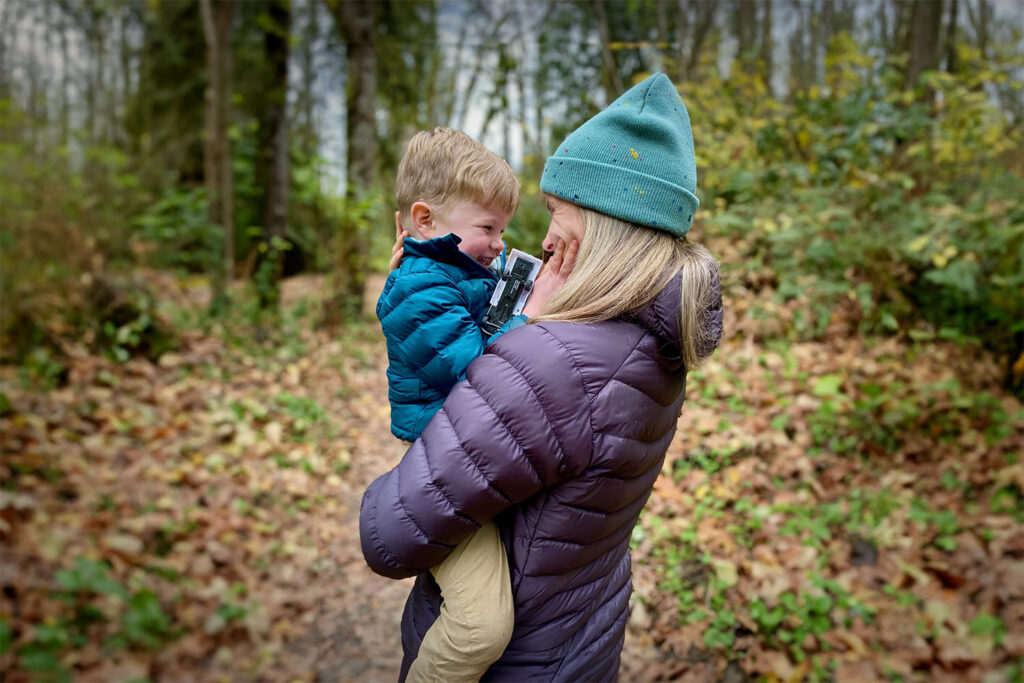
(398, 250)
(552, 276)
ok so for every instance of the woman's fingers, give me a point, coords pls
(555, 262)
(569, 261)
(396, 258)
(397, 250)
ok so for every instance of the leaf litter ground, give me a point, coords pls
(845, 509)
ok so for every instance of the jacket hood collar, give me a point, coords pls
(446, 250)
(663, 317)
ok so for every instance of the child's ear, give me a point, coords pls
(423, 220)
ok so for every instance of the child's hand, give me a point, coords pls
(552, 276)
(398, 250)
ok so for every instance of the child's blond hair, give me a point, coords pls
(443, 167)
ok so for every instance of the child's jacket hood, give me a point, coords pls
(445, 249)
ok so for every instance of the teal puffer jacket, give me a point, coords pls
(430, 312)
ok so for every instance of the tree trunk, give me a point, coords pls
(7, 20)
(30, 35)
(451, 85)
(923, 41)
(65, 83)
(272, 145)
(901, 25)
(981, 20)
(798, 54)
(705, 19)
(126, 81)
(225, 20)
(217, 161)
(304, 125)
(826, 29)
(745, 25)
(610, 77)
(767, 46)
(663, 31)
(91, 84)
(952, 65)
(356, 21)
(211, 127)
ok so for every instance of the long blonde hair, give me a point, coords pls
(622, 267)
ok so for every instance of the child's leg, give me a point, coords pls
(477, 613)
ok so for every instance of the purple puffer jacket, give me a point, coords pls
(558, 434)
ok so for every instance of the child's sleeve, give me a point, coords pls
(435, 332)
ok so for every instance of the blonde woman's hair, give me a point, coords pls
(621, 267)
(443, 167)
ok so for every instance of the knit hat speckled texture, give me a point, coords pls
(634, 160)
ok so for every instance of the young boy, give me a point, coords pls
(455, 198)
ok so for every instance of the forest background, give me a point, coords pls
(194, 222)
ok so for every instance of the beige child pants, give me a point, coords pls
(477, 613)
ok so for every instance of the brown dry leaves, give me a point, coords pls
(226, 483)
(913, 519)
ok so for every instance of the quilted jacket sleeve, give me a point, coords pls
(434, 331)
(521, 423)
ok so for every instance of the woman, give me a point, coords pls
(561, 427)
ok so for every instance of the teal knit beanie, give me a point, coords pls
(633, 161)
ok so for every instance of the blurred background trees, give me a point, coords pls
(863, 154)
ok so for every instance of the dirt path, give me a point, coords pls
(355, 632)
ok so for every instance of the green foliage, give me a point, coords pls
(988, 625)
(870, 419)
(861, 513)
(943, 522)
(721, 633)
(710, 460)
(164, 114)
(1009, 500)
(42, 369)
(267, 275)
(58, 240)
(788, 621)
(63, 215)
(88, 576)
(5, 636)
(858, 195)
(527, 228)
(304, 412)
(178, 229)
(143, 621)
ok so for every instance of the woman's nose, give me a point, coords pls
(549, 242)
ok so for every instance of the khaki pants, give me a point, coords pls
(477, 613)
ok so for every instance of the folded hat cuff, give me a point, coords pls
(621, 192)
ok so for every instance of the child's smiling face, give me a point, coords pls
(480, 228)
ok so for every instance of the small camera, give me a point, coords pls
(512, 291)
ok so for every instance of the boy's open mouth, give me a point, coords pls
(484, 261)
